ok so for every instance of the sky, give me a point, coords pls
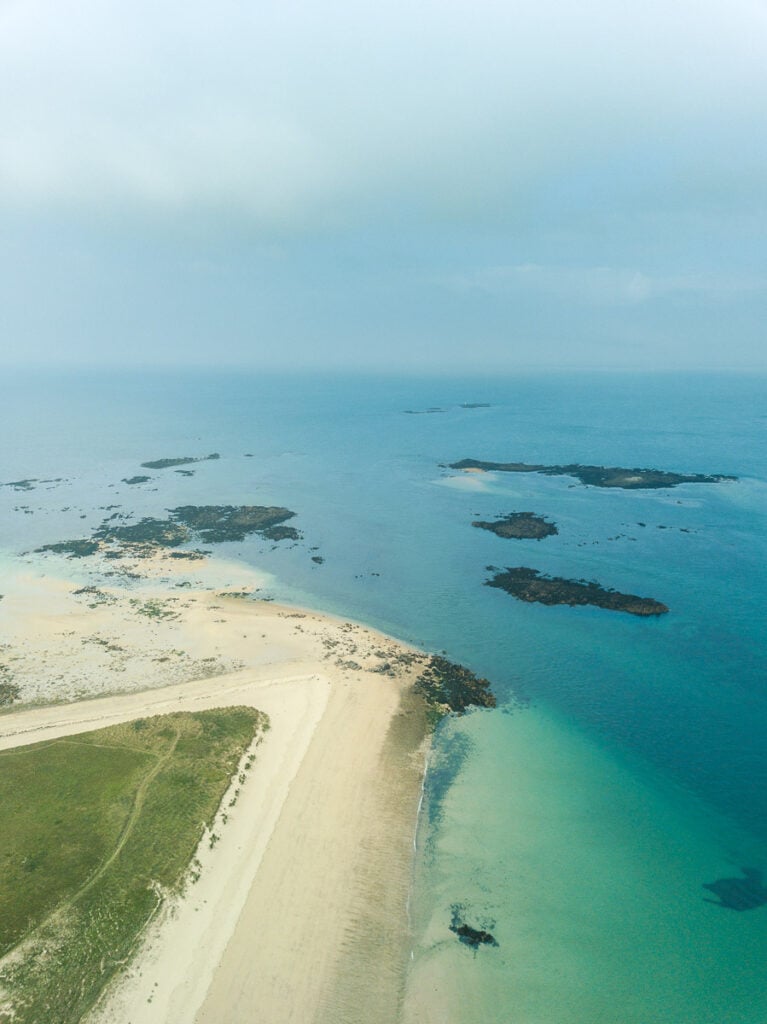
(417, 186)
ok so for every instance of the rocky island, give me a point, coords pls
(183, 461)
(596, 476)
(519, 526)
(534, 587)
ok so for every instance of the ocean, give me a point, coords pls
(626, 766)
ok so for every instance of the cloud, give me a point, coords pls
(312, 112)
(603, 286)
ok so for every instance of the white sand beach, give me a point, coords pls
(299, 913)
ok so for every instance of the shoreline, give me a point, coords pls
(288, 913)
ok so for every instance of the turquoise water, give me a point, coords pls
(583, 824)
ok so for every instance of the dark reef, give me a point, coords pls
(598, 476)
(212, 523)
(72, 548)
(136, 479)
(184, 461)
(153, 532)
(746, 893)
(278, 533)
(218, 523)
(450, 687)
(519, 526)
(21, 485)
(532, 586)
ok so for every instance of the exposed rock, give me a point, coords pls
(183, 461)
(532, 586)
(218, 523)
(597, 476)
(450, 687)
(519, 526)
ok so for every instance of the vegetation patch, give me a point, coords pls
(9, 691)
(99, 829)
(94, 596)
(449, 687)
(154, 608)
(533, 586)
(519, 526)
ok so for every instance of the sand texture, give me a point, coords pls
(300, 910)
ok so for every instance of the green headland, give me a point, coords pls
(99, 829)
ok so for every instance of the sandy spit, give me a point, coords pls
(299, 913)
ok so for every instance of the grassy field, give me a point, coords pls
(97, 830)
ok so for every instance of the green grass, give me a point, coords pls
(97, 829)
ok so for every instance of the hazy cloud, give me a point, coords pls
(310, 181)
(604, 285)
(289, 110)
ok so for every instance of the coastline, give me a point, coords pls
(301, 908)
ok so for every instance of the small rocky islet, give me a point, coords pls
(597, 476)
(519, 526)
(532, 586)
(184, 460)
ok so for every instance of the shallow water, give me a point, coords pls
(586, 824)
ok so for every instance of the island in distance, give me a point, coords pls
(596, 476)
(519, 526)
(534, 587)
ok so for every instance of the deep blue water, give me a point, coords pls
(675, 708)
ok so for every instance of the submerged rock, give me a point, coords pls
(469, 936)
(746, 893)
